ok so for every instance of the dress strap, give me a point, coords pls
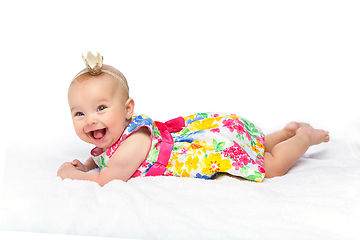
(166, 146)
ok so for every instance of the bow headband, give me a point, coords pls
(94, 65)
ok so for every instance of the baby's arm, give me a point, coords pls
(123, 163)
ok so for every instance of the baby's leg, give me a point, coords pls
(284, 134)
(284, 154)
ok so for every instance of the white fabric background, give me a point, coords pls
(269, 61)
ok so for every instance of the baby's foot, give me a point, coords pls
(314, 136)
(291, 128)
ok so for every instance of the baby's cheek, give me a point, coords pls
(116, 122)
(80, 132)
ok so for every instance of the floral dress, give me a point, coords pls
(199, 146)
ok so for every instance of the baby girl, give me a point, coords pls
(200, 146)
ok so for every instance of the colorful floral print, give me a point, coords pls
(208, 144)
(214, 163)
(218, 143)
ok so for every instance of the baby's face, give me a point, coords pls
(99, 109)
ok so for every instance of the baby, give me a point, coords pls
(200, 145)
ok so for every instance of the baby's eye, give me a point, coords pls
(100, 108)
(79, 114)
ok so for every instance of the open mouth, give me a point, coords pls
(98, 134)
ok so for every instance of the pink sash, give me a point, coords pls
(166, 146)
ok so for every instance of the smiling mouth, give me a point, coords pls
(98, 134)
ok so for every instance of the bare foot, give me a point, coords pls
(291, 128)
(314, 136)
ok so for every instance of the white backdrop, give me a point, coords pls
(269, 61)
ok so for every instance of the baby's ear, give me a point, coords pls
(129, 108)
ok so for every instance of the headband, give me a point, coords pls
(94, 65)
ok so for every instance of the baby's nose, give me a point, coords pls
(91, 121)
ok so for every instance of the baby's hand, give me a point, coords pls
(65, 170)
(78, 165)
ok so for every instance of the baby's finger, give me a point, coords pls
(75, 162)
(78, 165)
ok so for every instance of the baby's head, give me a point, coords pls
(100, 107)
